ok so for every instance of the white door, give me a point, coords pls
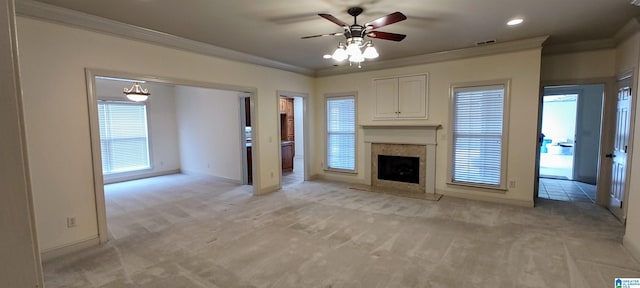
(619, 154)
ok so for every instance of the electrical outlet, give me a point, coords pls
(71, 222)
(512, 184)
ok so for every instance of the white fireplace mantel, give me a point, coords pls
(403, 134)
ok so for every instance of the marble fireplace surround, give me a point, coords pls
(406, 140)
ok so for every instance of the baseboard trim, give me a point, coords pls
(514, 202)
(53, 253)
(268, 190)
(633, 249)
(347, 179)
(140, 176)
(219, 178)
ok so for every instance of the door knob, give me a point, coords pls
(610, 155)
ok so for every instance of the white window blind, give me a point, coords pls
(123, 137)
(478, 135)
(341, 137)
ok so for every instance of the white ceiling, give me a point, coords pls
(272, 28)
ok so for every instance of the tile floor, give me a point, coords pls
(297, 175)
(566, 190)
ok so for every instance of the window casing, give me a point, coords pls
(341, 133)
(124, 140)
(479, 139)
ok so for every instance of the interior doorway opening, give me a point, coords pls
(293, 132)
(558, 136)
(570, 139)
(178, 130)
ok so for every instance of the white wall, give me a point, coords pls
(589, 122)
(299, 124)
(522, 68)
(163, 132)
(53, 60)
(629, 58)
(558, 120)
(209, 132)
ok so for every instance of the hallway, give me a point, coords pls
(566, 190)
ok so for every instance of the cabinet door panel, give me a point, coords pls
(412, 97)
(386, 91)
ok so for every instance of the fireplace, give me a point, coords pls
(401, 158)
(399, 168)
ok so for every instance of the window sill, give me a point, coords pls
(340, 171)
(485, 188)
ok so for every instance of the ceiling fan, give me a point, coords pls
(356, 33)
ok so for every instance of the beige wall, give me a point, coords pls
(209, 132)
(628, 58)
(54, 58)
(19, 264)
(522, 68)
(163, 131)
(578, 66)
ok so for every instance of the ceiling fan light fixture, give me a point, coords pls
(137, 93)
(370, 52)
(355, 35)
(356, 58)
(354, 46)
(340, 54)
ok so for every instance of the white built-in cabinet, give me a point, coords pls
(401, 97)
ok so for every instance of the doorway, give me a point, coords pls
(180, 132)
(558, 136)
(571, 121)
(293, 130)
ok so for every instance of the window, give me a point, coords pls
(341, 133)
(479, 142)
(123, 136)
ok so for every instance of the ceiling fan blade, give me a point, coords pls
(386, 35)
(386, 20)
(334, 20)
(322, 35)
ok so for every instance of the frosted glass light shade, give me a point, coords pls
(137, 93)
(340, 54)
(370, 53)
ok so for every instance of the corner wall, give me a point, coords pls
(209, 132)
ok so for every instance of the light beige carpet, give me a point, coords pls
(188, 231)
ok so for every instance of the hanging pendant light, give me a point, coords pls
(137, 93)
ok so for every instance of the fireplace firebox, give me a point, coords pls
(399, 168)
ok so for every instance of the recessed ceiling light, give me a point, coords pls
(326, 56)
(515, 21)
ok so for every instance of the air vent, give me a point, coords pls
(492, 41)
(635, 2)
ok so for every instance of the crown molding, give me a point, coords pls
(492, 49)
(56, 14)
(627, 30)
(607, 43)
